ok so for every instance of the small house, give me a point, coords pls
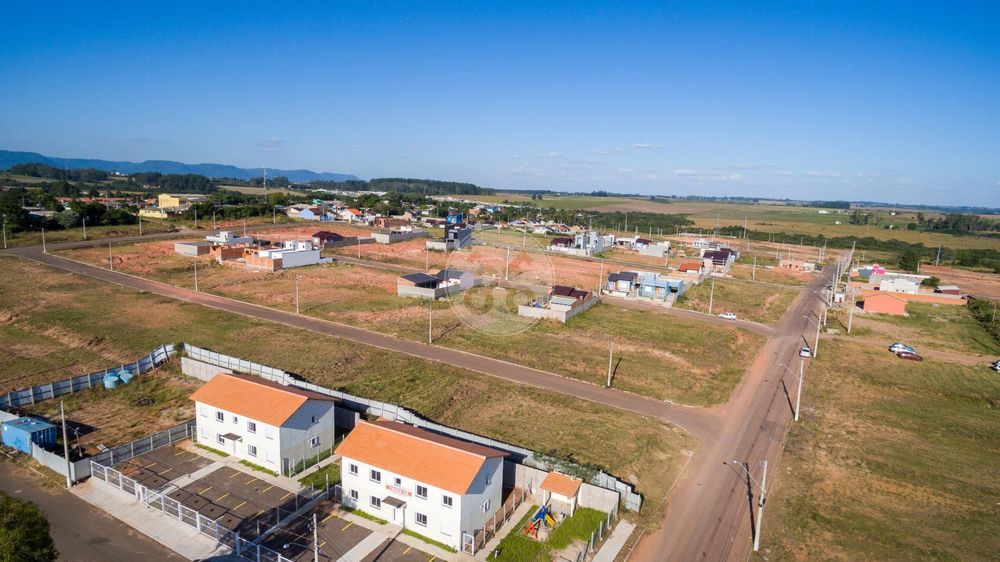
(949, 290)
(434, 287)
(690, 267)
(263, 422)
(560, 492)
(622, 282)
(437, 486)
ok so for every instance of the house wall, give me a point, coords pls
(558, 313)
(407, 290)
(298, 431)
(267, 438)
(299, 258)
(884, 305)
(444, 524)
(193, 250)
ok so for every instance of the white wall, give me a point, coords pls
(444, 524)
(298, 431)
(266, 439)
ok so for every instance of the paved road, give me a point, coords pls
(80, 531)
(708, 516)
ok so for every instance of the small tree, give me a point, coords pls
(931, 282)
(24, 532)
(909, 260)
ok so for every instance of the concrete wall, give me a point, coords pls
(393, 237)
(552, 314)
(530, 478)
(199, 370)
(425, 293)
(192, 249)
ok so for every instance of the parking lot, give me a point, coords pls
(336, 538)
(236, 500)
(158, 467)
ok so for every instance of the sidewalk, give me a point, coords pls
(613, 546)
(175, 535)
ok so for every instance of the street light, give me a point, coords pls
(798, 394)
(762, 486)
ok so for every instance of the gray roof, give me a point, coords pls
(448, 273)
(420, 278)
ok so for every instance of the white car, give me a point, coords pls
(728, 315)
(805, 352)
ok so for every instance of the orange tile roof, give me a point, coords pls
(443, 462)
(253, 397)
(561, 484)
(689, 265)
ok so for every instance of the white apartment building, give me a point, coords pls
(264, 422)
(437, 486)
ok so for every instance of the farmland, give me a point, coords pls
(660, 356)
(130, 324)
(892, 461)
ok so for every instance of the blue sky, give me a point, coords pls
(892, 101)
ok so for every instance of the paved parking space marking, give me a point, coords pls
(201, 493)
(409, 548)
(235, 474)
(284, 497)
(266, 489)
(223, 496)
(327, 518)
(241, 505)
(179, 453)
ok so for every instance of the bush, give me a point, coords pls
(24, 532)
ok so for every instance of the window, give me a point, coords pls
(446, 501)
(314, 441)
(251, 426)
(251, 450)
(313, 419)
(354, 495)
(421, 491)
(375, 502)
(421, 519)
(489, 480)
(486, 506)
(236, 419)
(398, 481)
(219, 416)
(352, 468)
(375, 475)
(220, 440)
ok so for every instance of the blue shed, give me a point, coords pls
(22, 432)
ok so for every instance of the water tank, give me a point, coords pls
(111, 380)
(125, 375)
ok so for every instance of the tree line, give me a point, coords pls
(404, 185)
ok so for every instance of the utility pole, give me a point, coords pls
(610, 360)
(213, 218)
(711, 296)
(430, 324)
(44, 251)
(195, 276)
(111, 259)
(315, 540)
(600, 277)
(745, 218)
(84, 219)
(753, 276)
(760, 508)
(296, 294)
(5, 235)
(850, 312)
(937, 260)
(140, 225)
(427, 259)
(798, 395)
(244, 227)
(274, 215)
(359, 247)
(62, 414)
(196, 219)
(506, 269)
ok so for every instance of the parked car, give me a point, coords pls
(728, 315)
(805, 352)
(996, 365)
(897, 347)
(909, 355)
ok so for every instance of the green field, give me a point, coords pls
(759, 302)
(126, 324)
(893, 460)
(33, 237)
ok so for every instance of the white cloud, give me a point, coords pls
(610, 150)
(646, 145)
(823, 174)
(707, 175)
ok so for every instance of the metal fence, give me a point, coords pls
(377, 408)
(475, 541)
(175, 510)
(52, 390)
(142, 445)
(597, 536)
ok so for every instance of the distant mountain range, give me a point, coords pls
(10, 158)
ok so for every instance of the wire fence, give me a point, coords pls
(475, 541)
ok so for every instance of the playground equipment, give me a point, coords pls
(542, 517)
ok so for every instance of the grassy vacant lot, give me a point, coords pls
(149, 403)
(660, 356)
(130, 324)
(894, 460)
(760, 302)
(34, 237)
(938, 327)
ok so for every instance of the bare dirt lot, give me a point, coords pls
(980, 284)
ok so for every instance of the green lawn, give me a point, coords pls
(516, 547)
(328, 475)
(760, 302)
(893, 460)
(944, 327)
